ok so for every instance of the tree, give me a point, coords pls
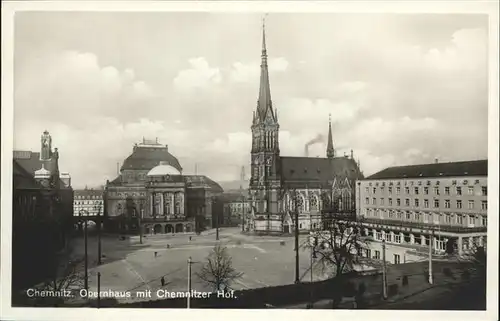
(218, 271)
(338, 246)
(337, 250)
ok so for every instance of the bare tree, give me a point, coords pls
(338, 247)
(69, 276)
(218, 271)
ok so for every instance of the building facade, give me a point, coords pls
(280, 185)
(152, 192)
(41, 214)
(407, 206)
(235, 208)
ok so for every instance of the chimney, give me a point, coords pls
(166, 146)
(436, 161)
(306, 151)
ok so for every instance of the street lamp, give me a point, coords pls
(98, 208)
(86, 280)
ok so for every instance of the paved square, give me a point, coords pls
(130, 266)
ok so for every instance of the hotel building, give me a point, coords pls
(406, 205)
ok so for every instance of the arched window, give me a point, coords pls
(313, 202)
(300, 203)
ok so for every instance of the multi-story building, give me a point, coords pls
(41, 213)
(88, 202)
(410, 205)
(235, 208)
(152, 191)
(281, 185)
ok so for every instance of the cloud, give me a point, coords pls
(401, 89)
(199, 76)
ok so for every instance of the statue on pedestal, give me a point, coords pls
(46, 149)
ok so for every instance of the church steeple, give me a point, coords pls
(264, 104)
(330, 150)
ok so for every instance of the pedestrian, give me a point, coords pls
(156, 254)
(190, 239)
(162, 281)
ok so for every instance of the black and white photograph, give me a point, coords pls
(249, 156)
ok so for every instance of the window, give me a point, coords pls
(407, 202)
(470, 190)
(374, 190)
(446, 203)
(484, 220)
(374, 201)
(408, 216)
(388, 237)
(459, 204)
(367, 190)
(436, 203)
(382, 189)
(397, 238)
(426, 190)
(417, 203)
(484, 190)
(390, 201)
(407, 190)
(397, 259)
(390, 189)
(398, 190)
(460, 220)
(471, 219)
(381, 201)
(398, 202)
(367, 201)
(447, 190)
(436, 190)
(417, 190)
(417, 216)
(459, 190)
(391, 214)
(368, 253)
(400, 215)
(377, 255)
(379, 236)
(484, 205)
(426, 203)
(447, 218)
(471, 205)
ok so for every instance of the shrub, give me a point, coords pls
(405, 280)
(393, 289)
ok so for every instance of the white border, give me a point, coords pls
(8, 11)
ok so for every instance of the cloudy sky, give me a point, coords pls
(401, 89)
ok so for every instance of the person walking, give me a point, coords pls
(156, 254)
(162, 281)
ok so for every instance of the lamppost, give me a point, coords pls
(98, 208)
(86, 280)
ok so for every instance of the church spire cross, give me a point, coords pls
(330, 150)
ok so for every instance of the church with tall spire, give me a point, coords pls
(316, 187)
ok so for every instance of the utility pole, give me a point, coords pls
(86, 280)
(98, 290)
(431, 240)
(99, 235)
(189, 283)
(297, 280)
(140, 224)
(384, 271)
(216, 225)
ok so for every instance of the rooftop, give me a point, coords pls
(451, 169)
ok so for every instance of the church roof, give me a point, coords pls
(318, 170)
(451, 169)
(145, 158)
